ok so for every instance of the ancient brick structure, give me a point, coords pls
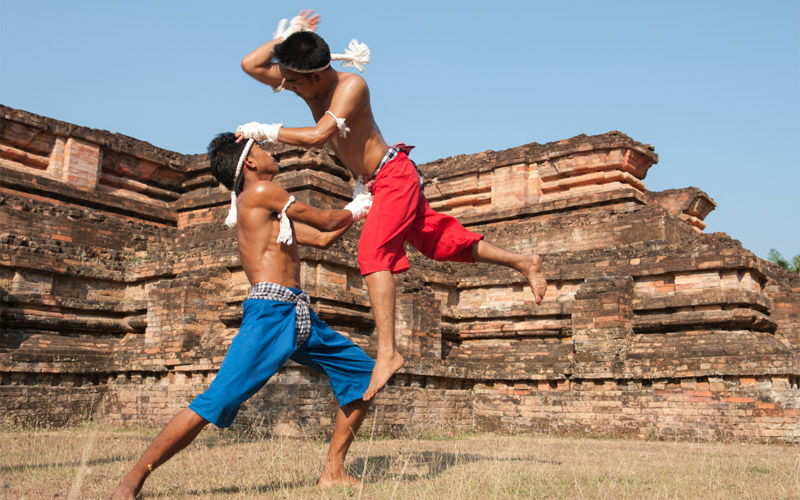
(121, 289)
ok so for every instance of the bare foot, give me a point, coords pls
(329, 479)
(124, 491)
(385, 367)
(532, 269)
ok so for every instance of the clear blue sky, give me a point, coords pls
(714, 85)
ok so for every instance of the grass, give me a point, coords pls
(87, 462)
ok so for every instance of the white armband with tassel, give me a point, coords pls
(285, 234)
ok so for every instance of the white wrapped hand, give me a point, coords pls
(286, 27)
(260, 131)
(361, 203)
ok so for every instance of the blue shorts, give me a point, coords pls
(266, 340)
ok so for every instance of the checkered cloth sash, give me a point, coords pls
(390, 155)
(272, 291)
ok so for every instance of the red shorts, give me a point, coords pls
(401, 213)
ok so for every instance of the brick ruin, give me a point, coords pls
(121, 289)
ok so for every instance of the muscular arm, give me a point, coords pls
(350, 97)
(310, 137)
(307, 235)
(259, 64)
(324, 220)
(274, 197)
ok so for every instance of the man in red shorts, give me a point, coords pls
(299, 60)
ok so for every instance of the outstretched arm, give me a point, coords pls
(273, 197)
(259, 63)
(349, 98)
(307, 235)
(323, 220)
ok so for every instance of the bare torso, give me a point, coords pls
(364, 147)
(263, 259)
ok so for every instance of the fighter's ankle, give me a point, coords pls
(388, 353)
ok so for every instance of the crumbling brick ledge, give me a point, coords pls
(121, 290)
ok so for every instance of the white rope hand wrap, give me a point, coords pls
(355, 55)
(340, 124)
(230, 220)
(362, 201)
(298, 23)
(260, 131)
(285, 234)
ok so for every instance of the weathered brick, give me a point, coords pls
(121, 285)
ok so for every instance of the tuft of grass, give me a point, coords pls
(87, 462)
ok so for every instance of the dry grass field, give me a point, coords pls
(86, 462)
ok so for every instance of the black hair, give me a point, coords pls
(224, 153)
(303, 51)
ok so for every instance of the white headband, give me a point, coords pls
(230, 220)
(355, 55)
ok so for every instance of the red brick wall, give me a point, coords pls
(121, 290)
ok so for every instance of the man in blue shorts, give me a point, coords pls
(277, 323)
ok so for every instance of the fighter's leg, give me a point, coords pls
(530, 265)
(348, 421)
(348, 370)
(441, 237)
(179, 432)
(381, 254)
(382, 298)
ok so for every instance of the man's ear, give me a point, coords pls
(248, 162)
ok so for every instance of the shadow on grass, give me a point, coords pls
(235, 490)
(211, 441)
(76, 463)
(430, 463)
